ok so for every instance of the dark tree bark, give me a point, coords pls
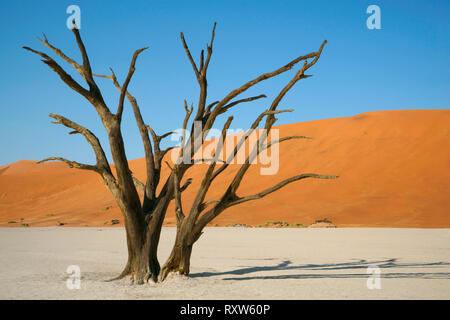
(141, 262)
(189, 228)
(144, 219)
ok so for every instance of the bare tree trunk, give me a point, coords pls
(179, 260)
(142, 263)
(189, 228)
(143, 221)
(180, 257)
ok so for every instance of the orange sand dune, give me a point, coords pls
(394, 169)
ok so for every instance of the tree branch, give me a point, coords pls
(270, 120)
(188, 53)
(200, 74)
(268, 145)
(265, 76)
(232, 104)
(280, 185)
(74, 64)
(127, 81)
(185, 123)
(152, 174)
(86, 63)
(139, 185)
(244, 139)
(232, 200)
(208, 108)
(102, 162)
(209, 48)
(177, 194)
(186, 184)
(159, 155)
(206, 182)
(62, 74)
(71, 164)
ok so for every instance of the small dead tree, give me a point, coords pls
(143, 219)
(201, 212)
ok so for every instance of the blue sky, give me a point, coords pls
(405, 65)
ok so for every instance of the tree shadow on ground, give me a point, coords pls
(362, 264)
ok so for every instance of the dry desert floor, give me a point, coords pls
(233, 263)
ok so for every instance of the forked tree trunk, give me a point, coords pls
(143, 222)
(142, 243)
(142, 263)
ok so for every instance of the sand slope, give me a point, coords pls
(394, 169)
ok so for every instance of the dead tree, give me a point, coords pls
(190, 226)
(143, 219)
